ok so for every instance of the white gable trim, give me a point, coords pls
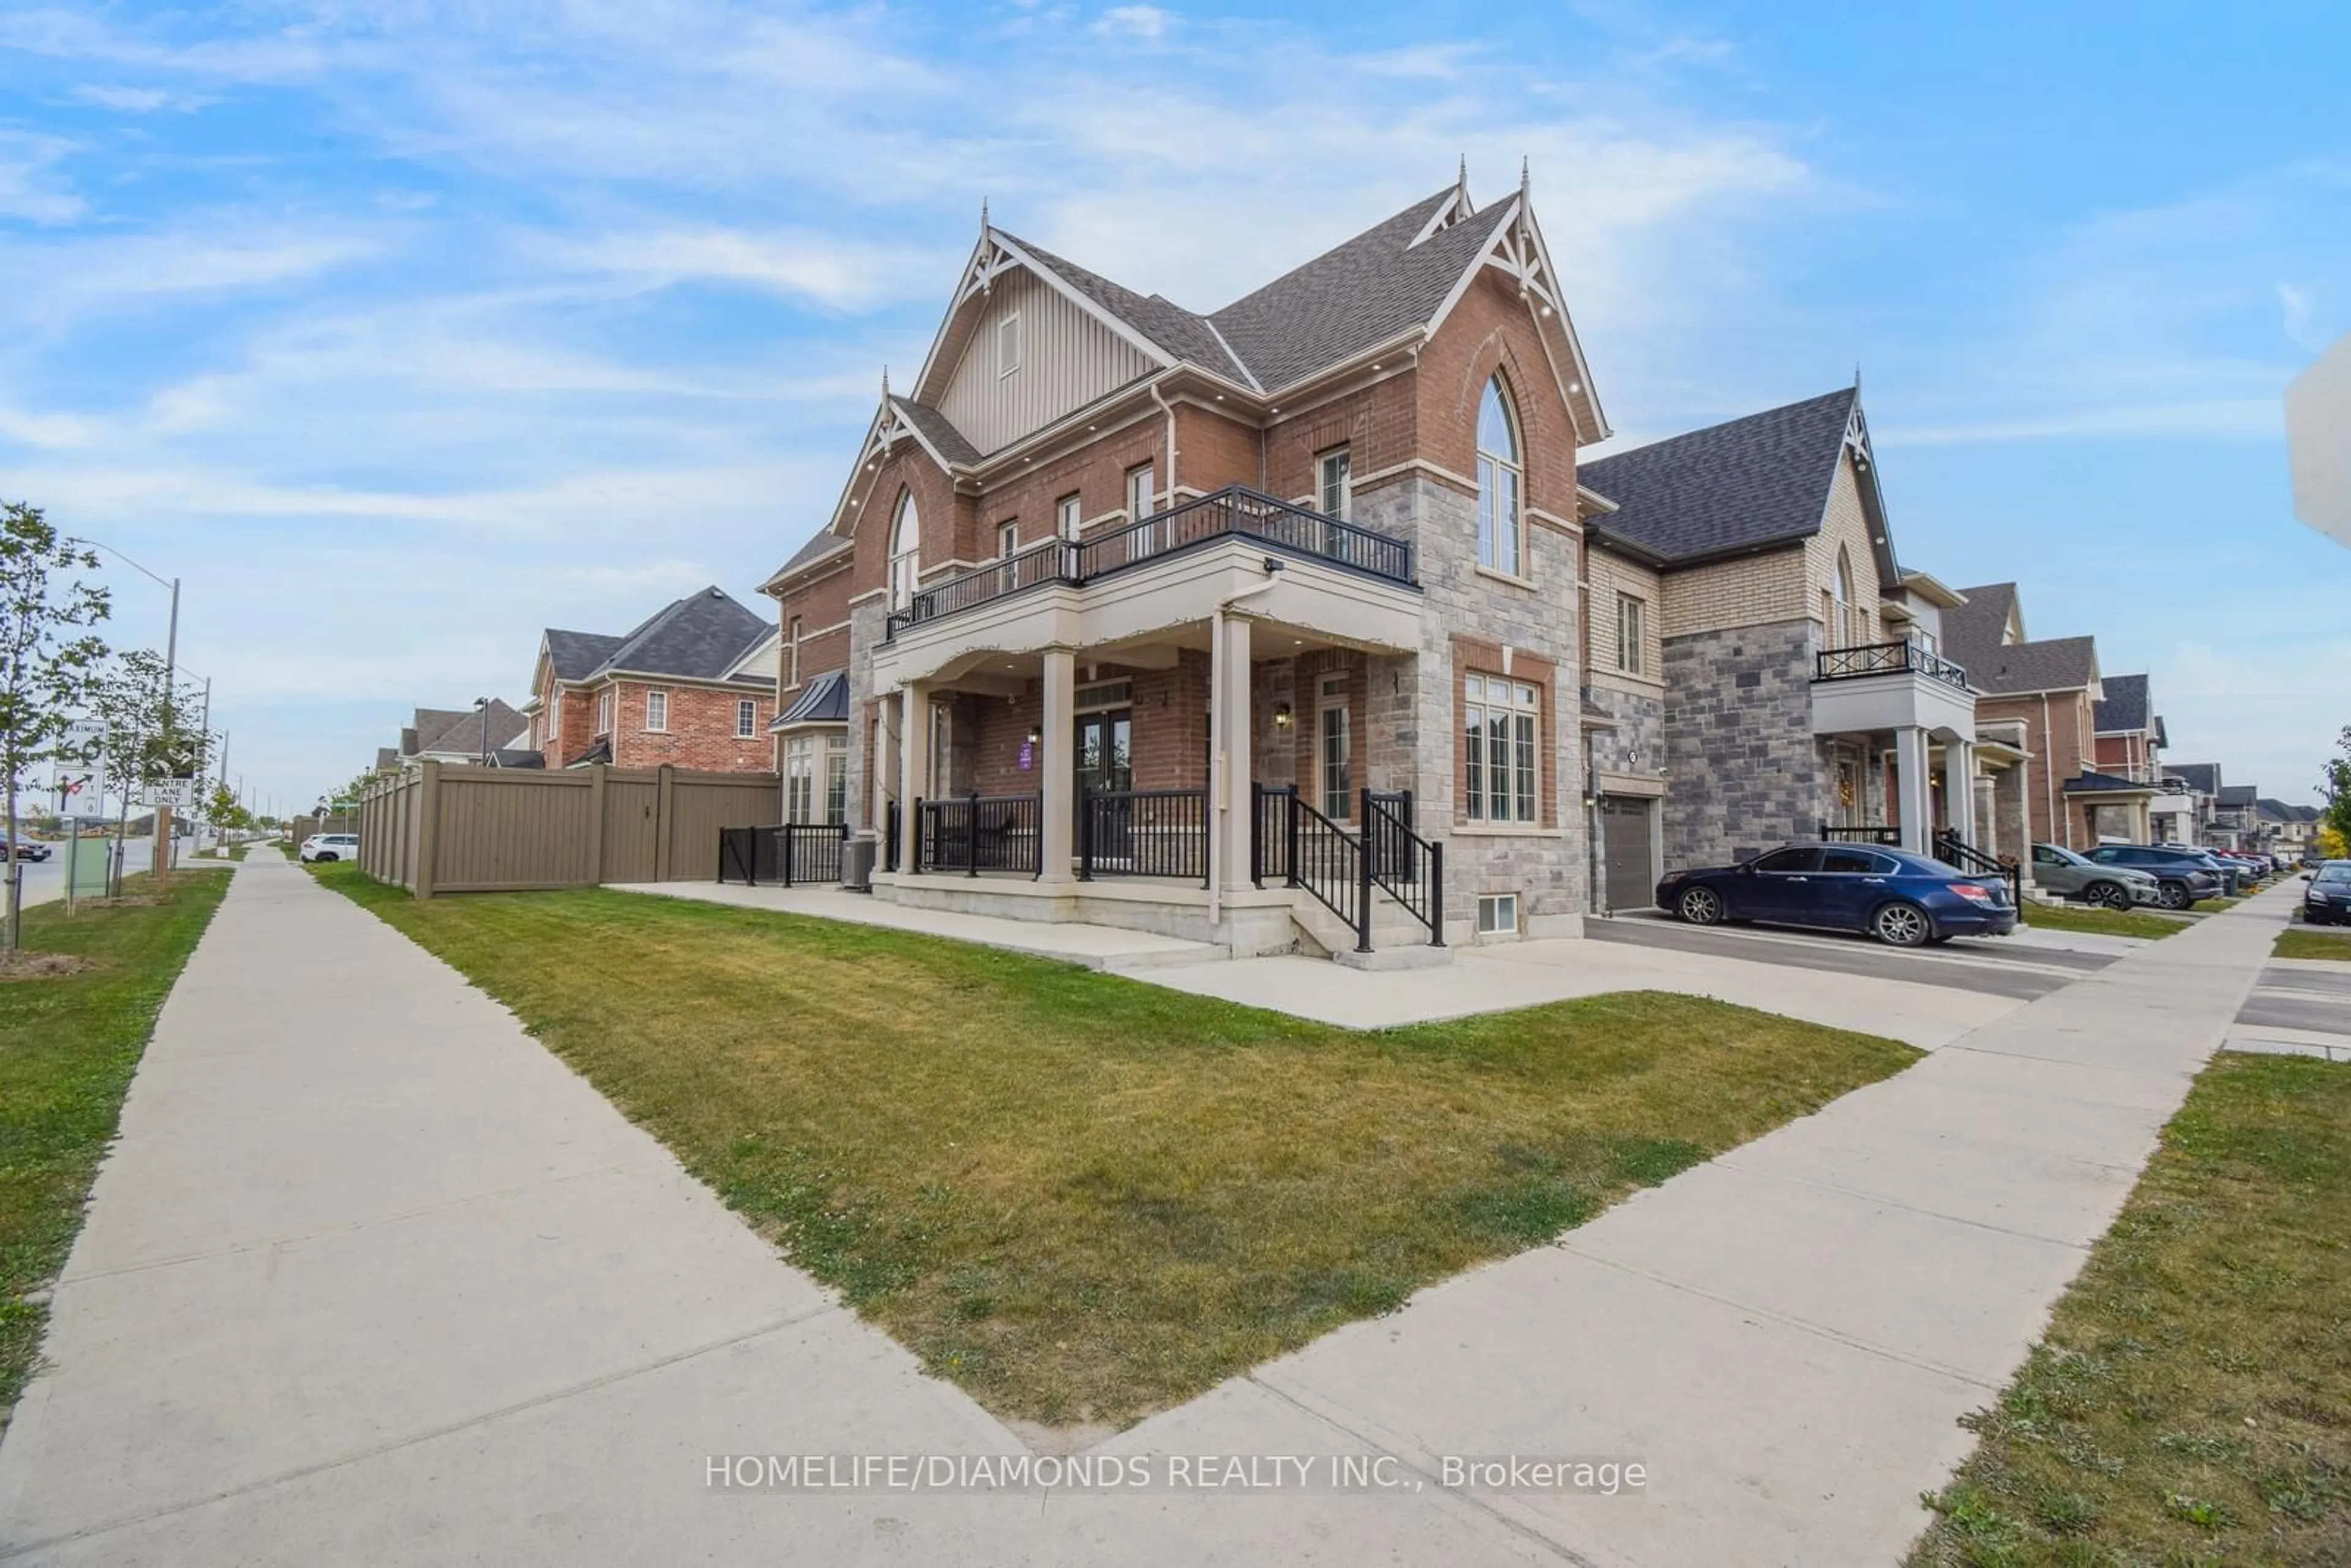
(995, 255)
(1516, 249)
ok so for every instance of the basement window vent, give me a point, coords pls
(1498, 914)
(1105, 694)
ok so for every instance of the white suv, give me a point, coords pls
(332, 847)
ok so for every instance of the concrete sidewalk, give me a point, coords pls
(372, 1277)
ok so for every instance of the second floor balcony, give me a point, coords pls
(1879, 687)
(1885, 659)
(1234, 514)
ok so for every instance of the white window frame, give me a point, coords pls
(747, 718)
(604, 707)
(795, 645)
(1502, 730)
(1630, 631)
(836, 775)
(1502, 530)
(1141, 491)
(1331, 702)
(1069, 512)
(1008, 539)
(905, 551)
(1007, 333)
(800, 777)
(1490, 907)
(1334, 490)
(657, 695)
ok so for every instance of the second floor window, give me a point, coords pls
(604, 711)
(1007, 344)
(1332, 492)
(1502, 479)
(794, 643)
(1008, 540)
(1066, 516)
(905, 551)
(1628, 633)
(746, 719)
(656, 712)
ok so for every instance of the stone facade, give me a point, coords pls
(1747, 773)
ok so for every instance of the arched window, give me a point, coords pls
(1501, 483)
(1842, 629)
(905, 552)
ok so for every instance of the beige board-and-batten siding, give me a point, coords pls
(453, 828)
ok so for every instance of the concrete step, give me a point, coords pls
(1397, 936)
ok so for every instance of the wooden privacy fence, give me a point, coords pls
(454, 829)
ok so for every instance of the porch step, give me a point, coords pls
(1398, 941)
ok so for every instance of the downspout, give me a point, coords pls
(1220, 797)
(2064, 825)
(1169, 409)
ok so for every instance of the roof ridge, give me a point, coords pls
(1590, 463)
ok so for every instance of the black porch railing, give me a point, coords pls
(1142, 832)
(973, 833)
(890, 840)
(1269, 831)
(1953, 850)
(1409, 867)
(1235, 511)
(1885, 659)
(786, 855)
(1870, 833)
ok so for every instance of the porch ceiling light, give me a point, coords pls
(1281, 715)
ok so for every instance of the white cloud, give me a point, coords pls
(1135, 22)
(28, 189)
(138, 99)
(838, 273)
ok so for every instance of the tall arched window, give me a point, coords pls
(1501, 484)
(1847, 629)
(905, 551)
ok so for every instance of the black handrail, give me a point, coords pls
(975, 832)
(1328, 862)
(1885, 659)
(890, 837)
(1269, 831)
(1142, 832)
(1234, 511)
(1952, 850)
(1410, 868)
(788, 854)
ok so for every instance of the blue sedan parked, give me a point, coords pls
(1903, 899)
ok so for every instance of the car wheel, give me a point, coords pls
(328, 856)
(2173, 895)
(1700, 906)
(1900, 925)
(2108, 895)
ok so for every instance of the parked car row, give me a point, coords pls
(1903, 899)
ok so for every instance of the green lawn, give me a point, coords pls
(2100, 922)
(69, 1045)
(2191, 1404)
(1083, 1197)
(2313, 942)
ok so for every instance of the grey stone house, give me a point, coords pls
(1760, 666)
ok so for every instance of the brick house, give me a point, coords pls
(1131, 605)
(2046, 691)
(1760, 666)
(2130, 741)
(693, 686)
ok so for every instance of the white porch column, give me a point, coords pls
(1959, 789)
(914, 766)
(1229, 769)
(1056, 755)
(1910, 778)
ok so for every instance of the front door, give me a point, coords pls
(1105, 760)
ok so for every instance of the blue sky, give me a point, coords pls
(401, 330)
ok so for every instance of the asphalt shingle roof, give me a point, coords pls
(1175, 330)
(1760, 480)
(576, 653)
(700, 637)
(824, 700)
(2124, 707)
(2237, 794)
(1971, 636)
(934, 428)
(1358, 294)
(2204, 778)
(460, 729)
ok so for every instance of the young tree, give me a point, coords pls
(146, 739)
(225, 811)
(2336, 785)
(47, 658)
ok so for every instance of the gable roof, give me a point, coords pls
(1179, 333)
(2237, 794)
(2124, 707)
(460, 729)
(2204, 778)
(2271, 810)
(1359, 294)
(1751, 483)
(700, 637)
(1972, 633)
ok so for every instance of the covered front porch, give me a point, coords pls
(1239, 780)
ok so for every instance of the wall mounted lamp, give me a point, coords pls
(1281, 715)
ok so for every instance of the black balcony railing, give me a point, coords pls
(1235, 511)
(973, 833)
(1885, 659)
(1142, 832)
(1869, 833)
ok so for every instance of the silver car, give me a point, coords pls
(2062, 871)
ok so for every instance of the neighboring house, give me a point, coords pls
(693, 686)
(2046, 692)
(2286, 830)
(2200, 783)
(455, 735)
(2234, 824)
(1105, 549)
(2130, 742)
(1760, 666)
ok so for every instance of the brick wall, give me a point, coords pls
(1753, 591)
(700, 732)
(2061, 747)
(1611, 575)
(1844, 529)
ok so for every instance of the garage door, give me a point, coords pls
(1628, 851)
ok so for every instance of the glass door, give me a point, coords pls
(1105, 762)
